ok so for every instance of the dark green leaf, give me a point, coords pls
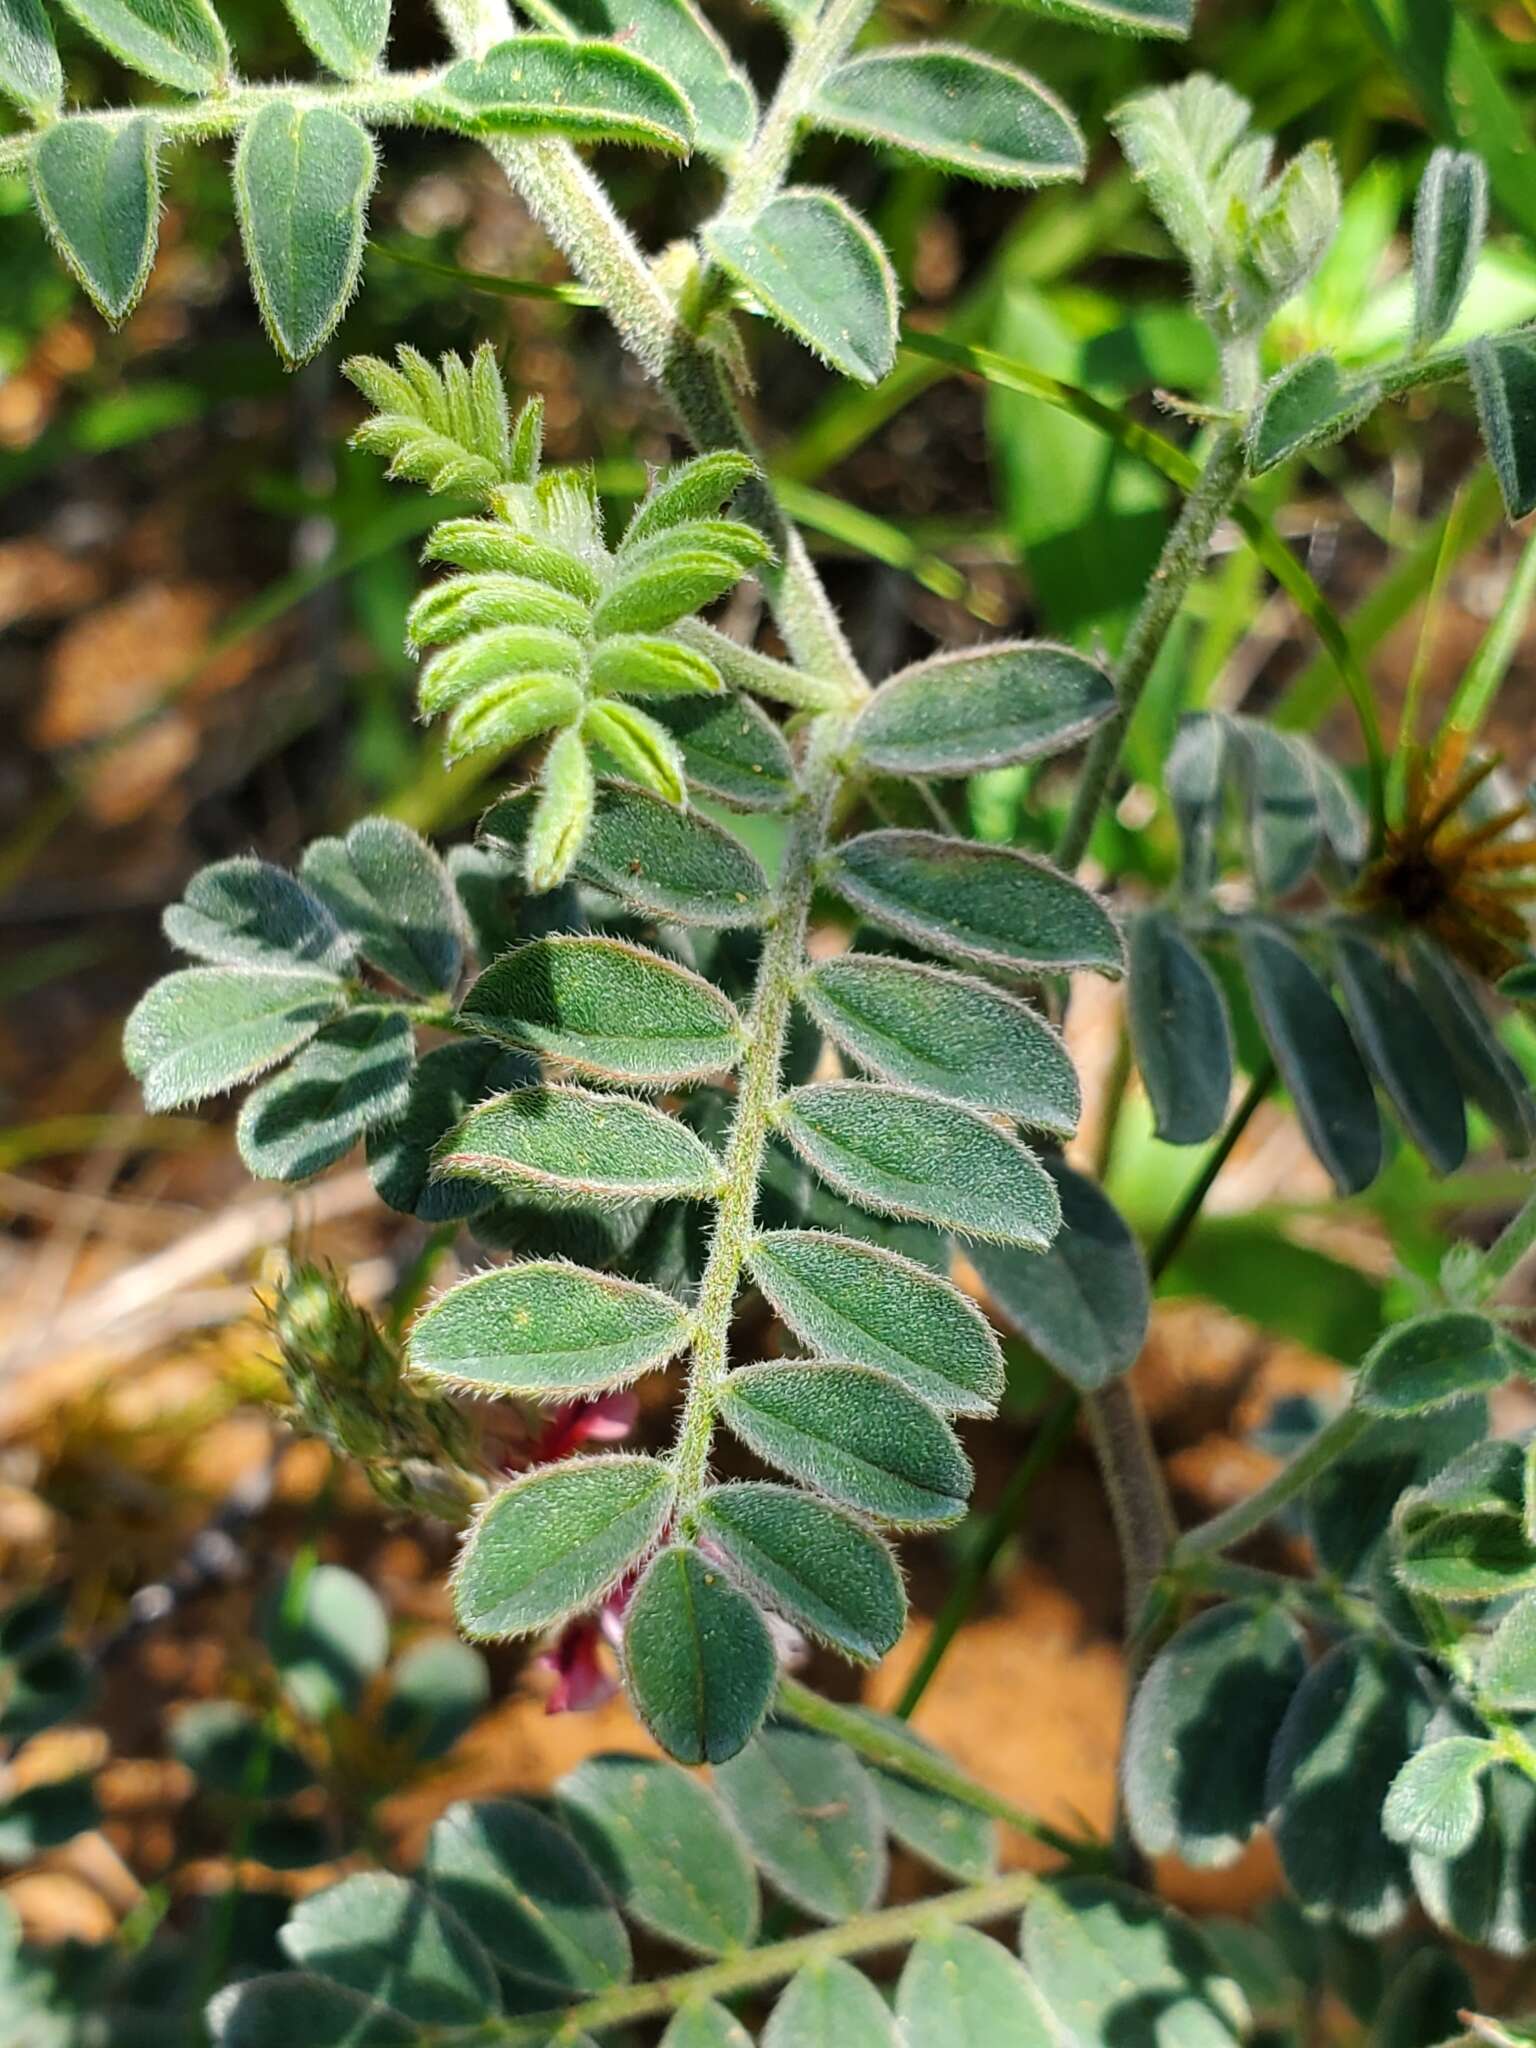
(948, 1034)
(982, 707)
(811, 1819)
(50, 1685)
(609, 1008)
(205, 1029)
(1506, 1672)
(1202, 1724)
(302, 180)
(279, 2011)
(1487, 1895)
(811, 263)
(698, 1658)
(97, 187)
(731, 750)
(828, 2004)
(355, 1075)
(1349, 1506)
(553, 1543)
(1503, 372)
(394, 1942)
(1488, 1074)
(569, 1143)
(1084, 1304)
(1108, 1960)
(247, 910)
(586, 91)
(1436, 1801)
(348, 36)
(1450, 218)
(1410, 1058)
(546, 1328)
(854, 1434)
(1432, 1359)
(30, 72)
(986, 903)
(904, 1154)
(1282, 816)
(388, 889)
(44, 1816)
(822, 1568)
(446, 1083)
(1193, 776)
(1307, 405)
(851, 1300)
(179, 42)
(436, 1691)
(1462, 1535)
(967, 112)
(674, 36)
(1180, 1031)
(228, 1749)
(1425, 2002)
(327, 1634)
(1318, 1060)
(959, 1989)
(667, 1853)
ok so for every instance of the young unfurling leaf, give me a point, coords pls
(642, 750)
(1450, 218)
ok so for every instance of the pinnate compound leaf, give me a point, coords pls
(447, 1082)
(390, 1940)
(245, 909)
(1450, 218)
(1355, 1720)
(704, 2024)
(1317, 1057)
(810, 1816)
(553, 1543)
(960, 1989)
(1308, 404)
(1488, 1074)
(1506, 1673)
(818, 269)
(355, 1075)
(982, 708)
(1201, 1728)
(820, 1567)
(657, 859)
(698, 1658)
(667, 1852)
(973, 902)
(1436, 1800)
(347, 36)
(97, 187)
(277, 2011)
(30, 72)
(1429, 1360)
(1503, 372)
(1095, 1948)
(955, 107)
(1406, 1051)
(607, 1007)
(571, 1143)
(947, 1034)
(857, 1301)
(900, 1153)
(675, 36)
(302, 180)
(180, 43)
(586, 91)
(387, 888)
(830, 2005)
(1180, 1031)
(546, 1328)
(529, 1894)
(205, 1029)
(730, 749)
(856, 1435)
(1084, 1304)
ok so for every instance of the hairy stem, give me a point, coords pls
(864, 1934)
(763, 167)
(1133, 1480)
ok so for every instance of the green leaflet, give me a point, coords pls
(675, 36)
(1201, 1728)
(585, 91)
(1429, 1360)
(348, 36)
(447, 428)
(851, 1300)
(689, 490)
(247, 910)
(1462, 1536)
(651, 665)
(1349, 1506)
(1487, 1895)
(947, 1034)
(854, 1434)
(671, 583)
(1306, 405)
(570, 1142)
(1085, 1940)
(354, 1075)
(1450, 219)
(488, 598)
(939, 1831)
(904, 1154)
(1503, 372)
(657, 859)
(389, 891)
(1506, 1671)
(1193, 776)
(1282, 813)
(1355, 1720)
(960, 1989)
(205, 1029)
(529, 1894)
(700, 1667)
(1424, 2001)
(179, 42)
(1490, 1077)
(390, 1940)
(97, 187)
(606, 1007)
(810, 1816)
(437, 1690)
(554, 1542)
(1317, 1058)
(1406, 1051)
(491, 545)
(986, 903)
(264, 2012)
(506, 715)
(730, 749)
(1180, 1031)
(1436, 1801)
(448, 1081)
(327, 1633)
(946, 105)
(546, 1328)
(811, 263)
(1139, 17)
(981, 708)
(820, 1567)
(830, 2005)
(302, 178)
(561, 816)
(501, 653)
(1084, 1304)
(704, 2024)
(30, 72)
(659, 1838)
(639, 747)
